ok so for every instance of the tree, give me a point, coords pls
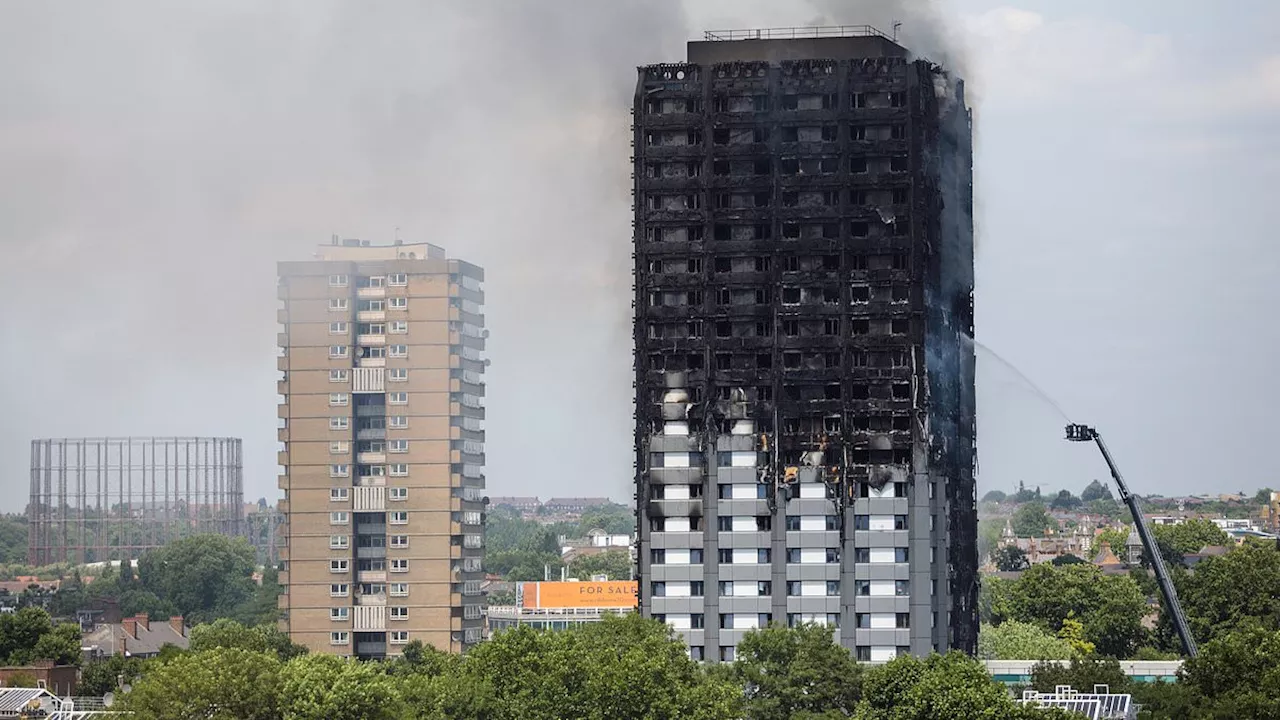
(1065, 501)
(1024, 495)
(1067, 559)
(1013, 640)
(30, 634)
(1236, 676)
(1110, 607)
(326, 687)
(1010, 558)
(203, 576)
(1072, 633)
(1081, 674)
(940, 687)
(99, 677)
(1190, 536)
(1095, 491)
(227, 633)
(1115, 538)
(1031, 520)
(988, 536)
(220, 684)
(613, 519)
(1263, 496)
(616, 564)
(13, 539)
(995, 496)
(1228, 593)
(793, 670)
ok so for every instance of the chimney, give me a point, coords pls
(175, 622)
(122, 647)
(130, 626)
(143, 621)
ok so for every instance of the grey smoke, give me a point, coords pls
(157, 159)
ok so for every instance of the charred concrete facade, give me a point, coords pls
(382, 426)
(805, 437)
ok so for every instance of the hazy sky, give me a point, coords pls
(157, 159)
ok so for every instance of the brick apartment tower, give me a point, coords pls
(382, 427)
(805, 435)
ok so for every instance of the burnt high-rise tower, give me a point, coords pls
(804, 377)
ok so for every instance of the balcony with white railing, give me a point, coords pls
(371, 292)
(371, 315)
(371, 576)
(378, 599)
(371, 340)
(371, 458)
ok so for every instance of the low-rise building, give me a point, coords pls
(562, 605)
(137, 636)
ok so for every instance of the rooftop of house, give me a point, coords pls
(137, 636)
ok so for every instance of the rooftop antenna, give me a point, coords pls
(397, 234)
(896, 25)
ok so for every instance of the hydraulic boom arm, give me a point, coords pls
(1084, 433)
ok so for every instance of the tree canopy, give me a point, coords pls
(1095, 491)
(800, 670)
(1013, 640)
(1010, 558)
(1031, 520)
(29, 634)
(203, 577)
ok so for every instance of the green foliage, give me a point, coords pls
(227, 633)
(204, 576)
(1024, 494)
(99, 677)
(1013, 640)
(13, 539)
(326, 687)
(1081, 674)
(1031, 520)
(614, 563)
(1065, 501)
(30, 634)
(1263, 496)
(1236, 676)
(988, 536)
(800, 670)
(1110, 607)
(1067, 559)
(1231, 592)
(613, 519)
(994, 600)
(1010, 558)
(1072, 633)
(1190, 536)
(995, 496)
(1115, 538)
(220, 684)
(1095, 491)
(940, 687)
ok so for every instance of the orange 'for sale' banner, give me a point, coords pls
(610, 594)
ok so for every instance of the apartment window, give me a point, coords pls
(726, 558)
(399, 565)
(398, 327)
(398, 469)
(399, 589)
(398, 541)
(375, 281)
(901, 588)
(833, 588)
(338, 494)
(398, 303)
(399, 517)
(658, 556)
(339, 399)
(338, 328)
(339, 423)
(337, 304)
(399, 637)
(397, 374)
(696, 588)
(339, 542)
(339, 590)
(399, 279)
(398, 446)
(398, 421)
(397, 493)
(338, 281)
(726, 622)
(339, 613)
(340, 638)
(398, 613)
(339, 448)
(398, 351)
(398, 398)
(339, 517)
(338, 351)
(340, 470)
(658, 589)
(339, 566)
(338, 376)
